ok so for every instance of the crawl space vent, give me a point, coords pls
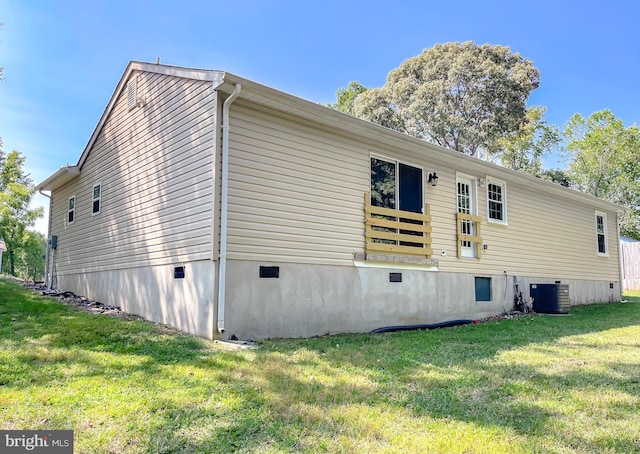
(132, 94)
(270, 272)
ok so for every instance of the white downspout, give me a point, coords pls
(222, 269)
(620, 257)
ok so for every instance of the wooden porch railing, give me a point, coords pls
(477, 238)
(395, 231)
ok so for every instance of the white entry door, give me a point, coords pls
(467, 205)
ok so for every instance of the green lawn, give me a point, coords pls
(632, 295)
(543, 384)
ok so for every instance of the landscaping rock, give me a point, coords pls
(81, 302)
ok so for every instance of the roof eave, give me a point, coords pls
(60, 178)
(332, 119)
(382, 136)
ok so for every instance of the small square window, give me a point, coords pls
(483, 288)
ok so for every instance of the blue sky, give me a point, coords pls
(62, 59)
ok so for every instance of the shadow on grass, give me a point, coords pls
(293, 395)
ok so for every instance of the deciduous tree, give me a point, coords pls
(16, 191)
(557, 176)
(523, 149)
(605, 162)
(30, 263)
(345, 97)
(462, 96)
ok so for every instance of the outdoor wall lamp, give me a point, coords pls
(433, 178)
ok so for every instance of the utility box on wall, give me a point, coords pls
(550, 298)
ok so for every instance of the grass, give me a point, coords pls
(541, 384)
(632, 295)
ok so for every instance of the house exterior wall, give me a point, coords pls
(296, 201)
(153, 293)
(296, 195)
(314, 300)
(546, 236)
(155, 166)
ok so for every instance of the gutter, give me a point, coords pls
(222, 269)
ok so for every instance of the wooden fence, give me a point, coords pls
(631, 266)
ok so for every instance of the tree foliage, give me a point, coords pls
(16, 192)
(25, 249)
(605, 162)
(557, 176)
(30, 261)
(346, 97)
(462, 96)
(1, 68)
(523, 149)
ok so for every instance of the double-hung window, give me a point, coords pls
(71, 210)
(96, 197)
(601, 233)
(496, 201)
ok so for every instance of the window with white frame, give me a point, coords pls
(96, 198)
(601, 233)
(71, 210)
(496, 201)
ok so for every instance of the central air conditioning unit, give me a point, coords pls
(550, 298)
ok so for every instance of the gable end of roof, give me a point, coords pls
(215, 77)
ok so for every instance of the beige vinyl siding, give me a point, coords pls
(295, 195)
(155, 167)
(545, 236)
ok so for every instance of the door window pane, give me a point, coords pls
(410, 182)
(383, 183)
